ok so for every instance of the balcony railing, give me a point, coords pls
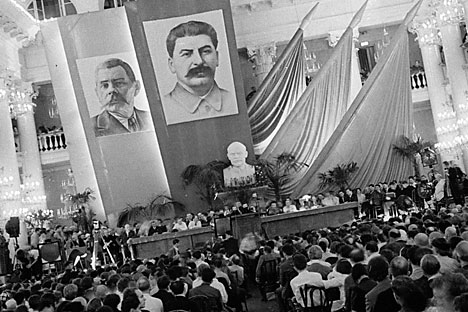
(50, 142)
(418, 80)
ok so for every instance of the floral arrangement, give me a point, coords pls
(37, 219)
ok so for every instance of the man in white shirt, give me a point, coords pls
(304, 277)
(289, 206)
(152, 304)
(180, 225)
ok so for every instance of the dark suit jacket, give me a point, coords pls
(386, 302)
(105, 124)
(206, 290)
(371, 297)
(179, 303)
(165, 296)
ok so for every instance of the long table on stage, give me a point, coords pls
(294, 222)
(153, 246)
(271, 226)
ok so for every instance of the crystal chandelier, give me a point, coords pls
(17, 95)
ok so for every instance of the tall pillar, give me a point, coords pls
(10, 200)
(449, 14)
(33, 183)
(442, 108)
(264, 59)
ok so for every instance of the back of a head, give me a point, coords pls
(430, 265)
(372, 246)
(399, 266)
(358, 271)
(112, 300)
(299, 261)
(34, 302)
(462, 250)
(143, 284)
(70, 291)
(343, 266)
(408, 294)
(177, 287)
(460, 303)
(163, 282)
(454, 284)
(421, 240)
(93, 305)
(357, 255)
(207, 275)
(130, 301)
(122, 284)
(288, 250)
(112, 281)
(315, 252)
(378, 268)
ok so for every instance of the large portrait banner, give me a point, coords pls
(192, 65)
(114, 94)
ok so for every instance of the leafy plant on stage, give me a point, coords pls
(82, 213)
(207, 179)
(278, 172)
(409, 149)
(162, 207)
(338, 176)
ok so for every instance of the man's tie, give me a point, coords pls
(133, 124)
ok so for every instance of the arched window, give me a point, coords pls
(44, 9)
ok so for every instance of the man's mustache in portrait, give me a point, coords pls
(194, 72)
(116, 98)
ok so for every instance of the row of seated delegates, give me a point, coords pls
(415, 263)
(154, 285)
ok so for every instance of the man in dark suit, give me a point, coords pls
(213, 295)
(163, 293)
(180, 302)
(230, 244)
(174, 252)
(378, 271)
(116, 88)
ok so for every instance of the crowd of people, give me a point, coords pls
(388, 259)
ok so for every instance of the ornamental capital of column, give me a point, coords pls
(448, 12)
(426, 31)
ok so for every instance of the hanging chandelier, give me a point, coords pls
(16, 93)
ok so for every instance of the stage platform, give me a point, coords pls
(270, 226)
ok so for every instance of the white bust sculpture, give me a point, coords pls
(239, 173)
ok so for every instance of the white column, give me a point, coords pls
(264, 58)
(10, 201)
(442, 108)
(32, 168)
(449, 14)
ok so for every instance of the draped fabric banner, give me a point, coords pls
(317, 113)
(279, 91)
(274, 100)
(379, 115)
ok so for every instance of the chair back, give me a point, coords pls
(203, 304)
(314, 299)
(269, 272)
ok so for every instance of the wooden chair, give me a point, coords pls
(269, 277)
(203, 304)
(315, 299)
